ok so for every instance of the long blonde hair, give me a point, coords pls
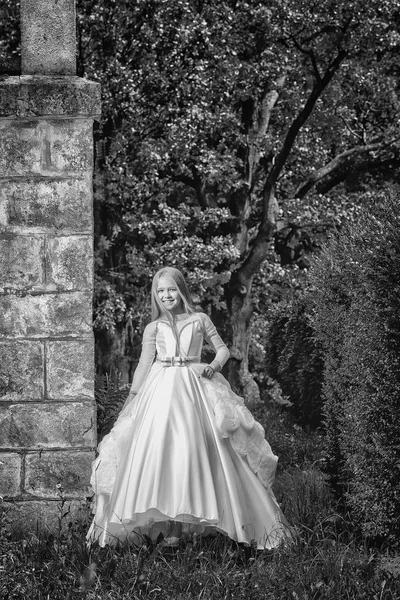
(158, 309)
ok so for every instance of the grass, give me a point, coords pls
(327, 559)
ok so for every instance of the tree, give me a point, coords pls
(218, 117)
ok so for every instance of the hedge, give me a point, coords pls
(356, 319)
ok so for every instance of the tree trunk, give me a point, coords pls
(239, 296)
(241, 311)
(238, 291)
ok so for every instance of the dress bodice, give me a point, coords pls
(159, 342)
(190, 335)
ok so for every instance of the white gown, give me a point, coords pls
(184, 449)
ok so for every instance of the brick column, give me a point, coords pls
(47, 409)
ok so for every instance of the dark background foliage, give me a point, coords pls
(296, 360)
(336, 353)
(234, 136)
(357, 284)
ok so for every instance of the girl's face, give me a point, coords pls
(169, 295)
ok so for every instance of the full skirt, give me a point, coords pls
(185, 454)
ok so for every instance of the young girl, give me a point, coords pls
(185, 454)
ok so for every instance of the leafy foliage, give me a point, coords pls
(296, 361)
(111, 394)
(9, 37)
(212, 113)
(244, 118)
(356, 320)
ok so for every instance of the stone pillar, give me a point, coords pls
(47, 408)
(48, 37)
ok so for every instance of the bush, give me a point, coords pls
(110, 393)
(295, 360)
(357, 321)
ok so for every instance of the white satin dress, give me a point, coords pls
(184, 452)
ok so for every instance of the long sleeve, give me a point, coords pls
(213, 338)
(146, 357)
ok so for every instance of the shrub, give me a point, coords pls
(357, 321)
(295, 360)
(110, 393)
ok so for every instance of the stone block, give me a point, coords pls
(70, 369)
(48, 37)
(21, 262)
(21, 370)
(48, 147)
(50, 474)
(41, 96)
(70, 262)
(47, 425)
(44, 516)
(40, 206)
(10, 475)
(68, 314)
(64, 96)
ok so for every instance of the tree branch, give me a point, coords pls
(310, 53)
(195, 183)
(270, 207)
(299, 121)
(339, 167)
(260, 126)
(360, 136)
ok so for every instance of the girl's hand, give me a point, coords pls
(208, 372)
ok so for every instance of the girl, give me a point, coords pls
(185, 454)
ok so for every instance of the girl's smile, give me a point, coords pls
(169, 295)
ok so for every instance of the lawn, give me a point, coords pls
(328, 557)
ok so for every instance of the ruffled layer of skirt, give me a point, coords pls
(186, 454)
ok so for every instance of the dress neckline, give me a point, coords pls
(182, 316)
(179, 317)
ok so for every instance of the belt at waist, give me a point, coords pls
(177, 361)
